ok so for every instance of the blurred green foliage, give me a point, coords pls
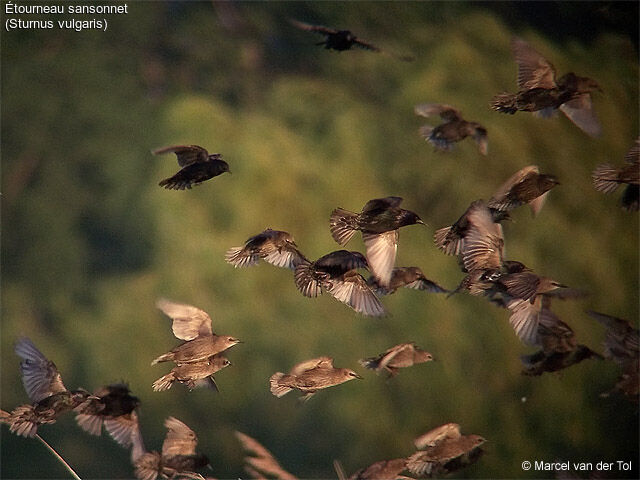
(89, 240)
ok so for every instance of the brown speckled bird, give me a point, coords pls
(193, 375)
(197, 166)
(399, 356)
(273, 246)
(382, 470)
(453, 129)
(309, 377)
(259, 462)
(607, 178)
(408, 277)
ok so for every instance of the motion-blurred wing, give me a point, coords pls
(189, 322)
(40, 376)
(534, 71)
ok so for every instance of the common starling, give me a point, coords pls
(528, 186)
(197, 166)
(194, 326)
(44, 387)
(539, 91)
(259, 462)
(607, 178)
(383, 470)
(273, 246)
(309, 377)
(408, 277)
(399, 356)
(336, 273)
(445, 450)
(110, 405)
(178, 458)
(452, 130)
(379, 222)
(341, 40)
(193, 375)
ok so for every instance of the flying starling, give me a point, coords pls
(44, 387)
(178, 458)
(336, 273)
(110, 405)
(194, 326)
(197, 166)
(453, 129)
(408, 277)
(309, 377)
(379, 222)
(540, 92)
(446, 451)
(259, 462)
(273, 246)
(341, 40)
(399, 356)
(193, 375)
(607, 178)
(382, 470)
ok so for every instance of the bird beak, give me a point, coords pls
(358, 376)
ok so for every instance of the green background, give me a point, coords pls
(89, 241)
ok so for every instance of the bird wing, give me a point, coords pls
(344, 259)
(534, 71)
(353, 290)
(480, 137)
(381, 204)
(580, 111)
(300, 368)
(187, 154)
(437, 435)
(394, 351)
(366, 45)
(483, 247)
(446, 112)
(381, 254)
(122, 428)
(633, 155)
(189, 322)
(525, 319)
(180, 439)
(312, 28)
(40, 376)
(498, 200)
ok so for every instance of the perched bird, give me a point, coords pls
(309, 377)
(539, 91)
(444, 450)
(409, 277)
(110, 405)
(607, 178)
(178, 458)
(44, 387)
(259, 462)
(273, 246)
(194, 326)
(193, 375)
(399, 356)
(197, 166)
(336, 273)
(379, 222)
(341, 40)
(452, 130)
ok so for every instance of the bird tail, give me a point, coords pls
(239, 257)
(371, 363)
(605, 178)
(91, 424)
(24, 421)
(163, 358)
(308, 283)
(425, 131)
(164, 383)
(148, 465)
(504, 103)
(343, 225)
(450, 245)
(277, 389)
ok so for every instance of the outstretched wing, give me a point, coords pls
(40, 376)
(534, 71)
(187, 154)
(188, 322)
(312, 28)
(446, 112)
(180, 439)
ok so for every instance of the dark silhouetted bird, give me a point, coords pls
(539, 91)
(178, 458)
(259, 462)
(44, 387)
(445, 450)
(379, 222)
(194, 326)
(193, 375)
(197, 166)
(336, 273)
(309, 377)
(341, 40)
(408, 277)
(399, 356)
(526, 186)
(273, 246)
(452, 130)
(607, 178)
(110, 405)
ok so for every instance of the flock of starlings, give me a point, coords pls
(475, 238)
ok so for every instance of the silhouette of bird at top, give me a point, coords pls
(408, 277)
(197, 166)
(309, 377)
(336, 273)
(259, 462)
(539, 91)
(44, 387)
(453, 129)
(607, 178)
(379, 222)
(341, 40)
(273, 246)
(399, 356)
